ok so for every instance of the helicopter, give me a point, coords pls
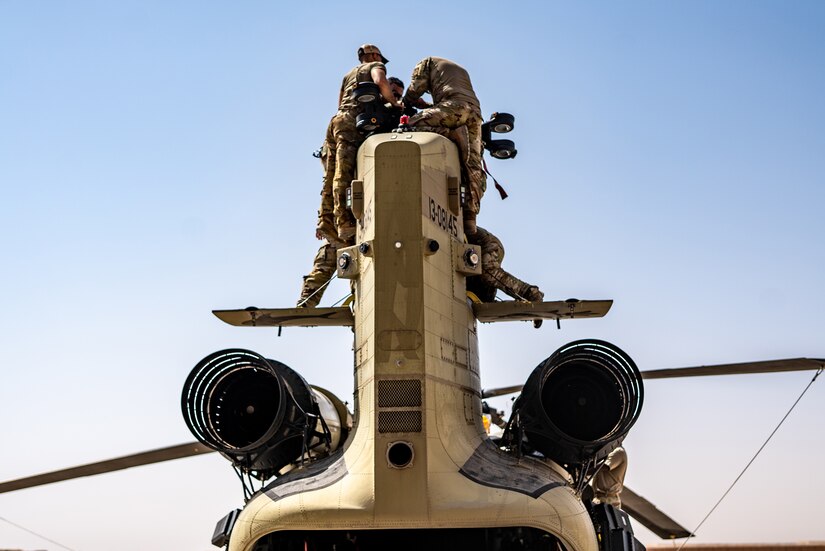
(413, 464)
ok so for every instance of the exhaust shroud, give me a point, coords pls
(259, 413)
(578, 404)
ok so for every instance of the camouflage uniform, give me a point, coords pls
(346, 140)
(609, 481)
(323, 267)
(338, 156)
(455, 105)
(493, 277)
(326, 221)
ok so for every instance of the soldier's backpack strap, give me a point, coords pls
(498, 186)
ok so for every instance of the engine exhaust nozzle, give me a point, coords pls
(579, 403)
(253, 410)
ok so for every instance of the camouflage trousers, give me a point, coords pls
(493, 277)
(346, 140)
(326, 221)
(452, 115)
(323, 267)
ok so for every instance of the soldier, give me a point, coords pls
(390, 122)
(455, 113)
(609, 480)
(493, 277)
(325, 227)
(345, 138)
(323, 266)
(397, 87)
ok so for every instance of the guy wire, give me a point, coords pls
(693, 532)
(318, 290)
(32, 532)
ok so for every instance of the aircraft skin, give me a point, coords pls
(418, 455)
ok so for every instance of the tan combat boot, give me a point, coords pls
(309, 297)
(533, 294)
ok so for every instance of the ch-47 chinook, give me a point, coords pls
(413, 467)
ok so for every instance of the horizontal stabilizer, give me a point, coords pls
(110, 465)
(650, 517)
(288, 317)
(511, 310)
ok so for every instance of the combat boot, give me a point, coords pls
(346, 232)
(308, 301)
(309, 297)
(533, 294)
(345, 226)
(325, 228)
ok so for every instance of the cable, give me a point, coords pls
(318, 290)
(342, 299)
(32, 532)
(693, 532)
(504, 286)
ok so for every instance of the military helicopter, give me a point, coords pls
(413, 465)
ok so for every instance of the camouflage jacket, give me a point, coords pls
(444, 80)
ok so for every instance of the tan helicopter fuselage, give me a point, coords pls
(418, 456)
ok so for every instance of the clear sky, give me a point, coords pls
(155, 164)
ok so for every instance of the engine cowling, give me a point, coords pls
(579, 403)
(259, 413)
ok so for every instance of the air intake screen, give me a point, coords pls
(394, 393)
(399, 421)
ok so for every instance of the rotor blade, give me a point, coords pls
(101, 467)
(501, 391)
(650, 517)
(770, 366)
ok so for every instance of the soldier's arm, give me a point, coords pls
(379, 77)
(418, 85)
(422, 104)
(341, 92)
(616, 458)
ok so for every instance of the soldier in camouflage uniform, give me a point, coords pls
(345, 137)
(323, 266)
(455, 113)
(608, 482)
(325, 227)
(492, 277)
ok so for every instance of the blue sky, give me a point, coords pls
(155, 164)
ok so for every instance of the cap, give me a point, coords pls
(371, 49)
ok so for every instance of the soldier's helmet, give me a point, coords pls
(371, 49)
